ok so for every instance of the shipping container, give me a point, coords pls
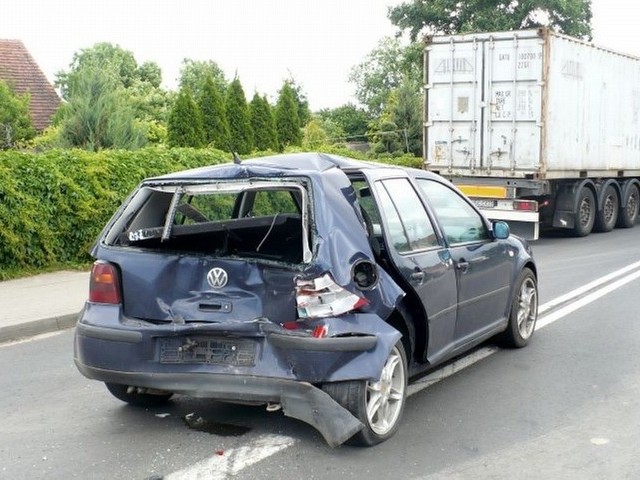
(541, 129)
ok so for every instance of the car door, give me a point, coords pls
(483, 266)
(420, 257)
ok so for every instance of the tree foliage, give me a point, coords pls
(287, 119)
(572, 17)
(194, 74)
(114, 61)
(314, 135)
(383, 70)
(238, 116)
(351, 120)
(136, 87)
(263, 124)
(98, 115)
(214, 118)
(15, 120)
(184, 128)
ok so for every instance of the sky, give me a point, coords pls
(264, 42)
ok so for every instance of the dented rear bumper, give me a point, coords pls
(238, 361)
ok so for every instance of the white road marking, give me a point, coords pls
(587, 299)
(230, 462)
(586, 288)
(542, 322)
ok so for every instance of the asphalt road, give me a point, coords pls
(567, 406)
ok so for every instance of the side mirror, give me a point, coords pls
(501, 230)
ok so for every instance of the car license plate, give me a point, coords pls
(208, 350)
(481, 203)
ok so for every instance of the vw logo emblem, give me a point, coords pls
(217, 278)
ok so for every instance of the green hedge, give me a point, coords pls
(54, 204)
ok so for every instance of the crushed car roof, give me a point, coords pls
(294, 162)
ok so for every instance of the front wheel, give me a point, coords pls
(129, 395)
(524, 311)
(378, 405)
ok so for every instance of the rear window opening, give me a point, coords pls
(258, 220)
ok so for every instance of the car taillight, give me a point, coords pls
(104, 286)
(322, 297)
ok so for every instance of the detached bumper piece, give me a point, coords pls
(299, 400)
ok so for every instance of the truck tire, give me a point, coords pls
(629, 208)
(608, 216)
(585, 213)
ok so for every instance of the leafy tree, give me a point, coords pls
(111, 59)
(314, 135)
(572, 17)
(383, 70)
(150, 72)
(263, 124)
(214, 119)
(98, 114)
(238, 116)
(287, 120)
(304, 114)
(138, 86)
(351, 120)
(15, 122)
(194, 74)
(184, 128)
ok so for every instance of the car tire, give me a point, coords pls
(607, 217)
(629, 209)
(524, 311)
(378, 405)
(137, 399)
(585, 214)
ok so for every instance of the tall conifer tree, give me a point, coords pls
(214, 118)
(241, 135)
(263, 124)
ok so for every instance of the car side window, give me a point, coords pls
(409, 224)
(460, 222)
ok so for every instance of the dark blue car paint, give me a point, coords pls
(166, 295)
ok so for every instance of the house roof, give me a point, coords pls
(22, 73)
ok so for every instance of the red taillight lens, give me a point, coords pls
(104, 286)
(322, 297)
(525, 205)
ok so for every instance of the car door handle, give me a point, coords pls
(463, 266)
(418, 276)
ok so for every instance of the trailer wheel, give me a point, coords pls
(608, 216)
(585, 214)
(629, 208)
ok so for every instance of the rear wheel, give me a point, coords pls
(131, 396)
(378, 405)
(585, 214)
(629, 208)
(608, 216)
(524, 311)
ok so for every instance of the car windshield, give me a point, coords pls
(259, 219)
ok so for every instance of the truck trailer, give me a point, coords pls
(540, 129)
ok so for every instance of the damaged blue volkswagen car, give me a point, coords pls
(315, 282)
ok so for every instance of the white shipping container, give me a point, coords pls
(530, 104)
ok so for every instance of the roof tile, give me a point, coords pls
(22, 73)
